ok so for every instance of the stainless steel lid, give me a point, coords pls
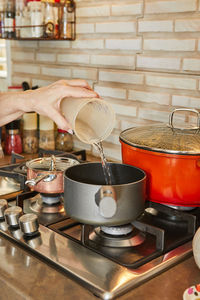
(51, 163)
(165, 138)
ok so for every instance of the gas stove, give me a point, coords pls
(109, 261)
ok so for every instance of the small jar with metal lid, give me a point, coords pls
(13, 139)
(46, 133)
(30, 133)
(64, 141)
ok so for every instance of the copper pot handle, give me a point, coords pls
(38, 178)
(184, 109)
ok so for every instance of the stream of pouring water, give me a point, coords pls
(105, 165)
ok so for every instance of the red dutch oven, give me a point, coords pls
(171, 159)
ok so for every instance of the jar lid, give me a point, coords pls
(13, 125)
(62, 131)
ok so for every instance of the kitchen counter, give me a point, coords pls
(23, 276)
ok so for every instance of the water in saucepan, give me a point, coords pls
(105, 165)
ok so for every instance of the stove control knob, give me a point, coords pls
(12, 215)
(3, 206)
(29, 224)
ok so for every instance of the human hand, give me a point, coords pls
(46, 100)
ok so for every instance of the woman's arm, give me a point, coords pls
(44, 101)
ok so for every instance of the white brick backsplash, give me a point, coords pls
(155, 26)
(114, 60)
(88, 44)
(191, 64)
(84, 73)
(111, 151)
(64, 73)
(149, 97)
(121, 77)
(170, 6)
(171, 82)
(110, 92)
(126, 110)
(125, 124)
(55, 44)
(155, 115)
(93, 11)
(169, 44)
(127, 9)
(41, 82)
(123, 44)
(19, 79)
(84, 28)
(21, 56)
(186, 101)
(24, 44)
(152, 62)
(116, 27)
(73, 58)
(23, 68)
(114, 138)
(187, 25)
(46, 57)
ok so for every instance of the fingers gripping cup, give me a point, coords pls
(92, 119)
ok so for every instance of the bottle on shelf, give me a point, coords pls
(46, 133)
(2, 13)
(64, 141)
(30, 133)
(9, 19)
(19, 7)
(36, 8)
(56, 9)
(67, 20)
(13, 139)
(49, 18)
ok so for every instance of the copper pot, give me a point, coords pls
(171, 159)
(45, 175)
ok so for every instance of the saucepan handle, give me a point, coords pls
(106, 200)
(171, 116)
(40, 177)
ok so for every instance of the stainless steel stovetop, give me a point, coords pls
(107, 265)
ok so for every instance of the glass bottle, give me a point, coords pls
(67, 20)
(30, 133)
(64, 141)
(47, 135)
(49, 18)
(9, 19)
(37, 18)
(2, 12)
(13, 139)
(19, 7)
(56, 9)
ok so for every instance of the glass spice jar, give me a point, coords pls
(47, 134)
(64, 141)
(30, 133)
(13, 139)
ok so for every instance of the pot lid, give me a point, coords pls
(51, 163)
(165, 138)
